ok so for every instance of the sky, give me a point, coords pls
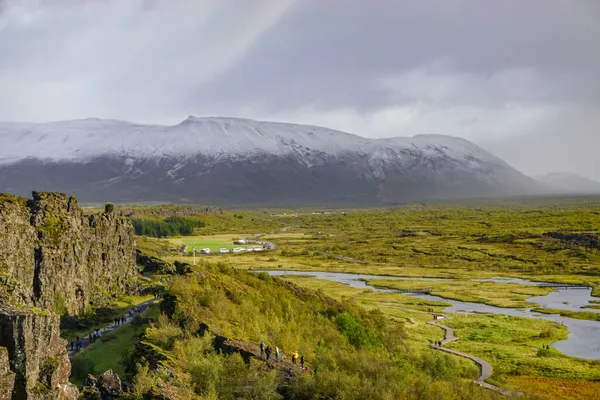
(520, 78)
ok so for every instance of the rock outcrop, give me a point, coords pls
(55, 257)
(53, 260)
(36, 355)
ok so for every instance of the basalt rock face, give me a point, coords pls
(55, 257)
(53, 260)
(36, 354)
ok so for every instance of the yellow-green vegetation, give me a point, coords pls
(514, 347)
(588, 315)
(491, 293)
(546, 240)
(73, 327)
(356, 353)
(212, 242)
(112, 350)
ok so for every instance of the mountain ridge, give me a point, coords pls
(233, 160)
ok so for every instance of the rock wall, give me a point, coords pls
(53, 256)
(53, 260)
(36, 354)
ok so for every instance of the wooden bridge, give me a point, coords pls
(563, 286)
(424, 291)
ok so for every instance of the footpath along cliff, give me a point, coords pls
(54, 260)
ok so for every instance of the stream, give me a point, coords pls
(584, 336)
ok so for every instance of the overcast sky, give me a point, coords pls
(521, 78)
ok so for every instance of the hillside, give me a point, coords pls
(207, 346)
(231, 161)
(567, 182)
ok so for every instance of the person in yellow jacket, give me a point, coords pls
(294, 357)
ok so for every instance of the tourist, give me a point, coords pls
(268, 352)
(276, 354)
(262, 349)
(72, 344)
(294, 357)
(302, 361)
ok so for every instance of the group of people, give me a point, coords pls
(266, 352)
(94, 335)
(437, 343)
(76, 344)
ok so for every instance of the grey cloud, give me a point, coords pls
(498, 73)
(331, 54)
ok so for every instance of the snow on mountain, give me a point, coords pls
(214, 137)
(240, 161)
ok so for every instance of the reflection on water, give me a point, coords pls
(584, 336)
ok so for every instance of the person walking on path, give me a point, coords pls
(262, 349)
(268, 352)
(294, 357)
(72, 345)
(79, 345)
(302, 362)
(276, 354)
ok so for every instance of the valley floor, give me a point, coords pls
(463, 245)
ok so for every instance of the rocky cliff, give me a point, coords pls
(53, 260)
(53, 256)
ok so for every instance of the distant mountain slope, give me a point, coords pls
(570, 183)
(242, 162)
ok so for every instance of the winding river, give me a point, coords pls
(584, 336)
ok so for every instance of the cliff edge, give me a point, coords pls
(54, 260)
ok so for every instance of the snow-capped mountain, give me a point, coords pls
(568, 182)
(240, 161)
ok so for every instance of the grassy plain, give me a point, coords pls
(490, 293)
(441, 241)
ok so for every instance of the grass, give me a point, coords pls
(111, 351)
(491, 293)
(464, 242)
(72, 328)
(567, 389)
(587, 315)
(512, 345)
(213, 242)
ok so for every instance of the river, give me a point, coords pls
(584, 336)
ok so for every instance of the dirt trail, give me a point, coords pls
(112, 326)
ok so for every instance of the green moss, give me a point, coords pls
(53, 228)
(49, 365)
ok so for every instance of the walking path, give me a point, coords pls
(129, 316)
(486, 368)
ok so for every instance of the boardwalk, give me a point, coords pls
(112, 326)
(563, 286)
(486, 368)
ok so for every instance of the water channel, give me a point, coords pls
(584, 336)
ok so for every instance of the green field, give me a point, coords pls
(212, 242)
